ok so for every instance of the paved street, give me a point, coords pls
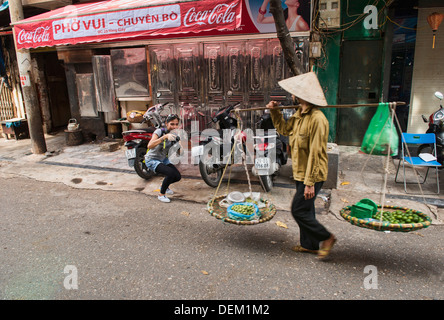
(77, 222)
(123, 245)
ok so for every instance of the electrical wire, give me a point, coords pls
(346, 25)
(326, 34)
(402, 27)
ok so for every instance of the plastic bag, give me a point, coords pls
(381, 133)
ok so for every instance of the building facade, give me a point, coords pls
(364, 51)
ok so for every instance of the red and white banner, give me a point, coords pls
(122, 19)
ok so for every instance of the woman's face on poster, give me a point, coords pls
(292, 3)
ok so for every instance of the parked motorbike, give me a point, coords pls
(211, 166)
(265, 146)
(136, 141)
(436, 126)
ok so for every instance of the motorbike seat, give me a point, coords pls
(149, 130)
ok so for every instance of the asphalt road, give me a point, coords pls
(63, 243)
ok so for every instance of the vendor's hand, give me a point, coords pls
(272, 104)
(309, 192)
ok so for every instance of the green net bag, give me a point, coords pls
(381, 133)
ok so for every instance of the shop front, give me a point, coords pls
(196, 55)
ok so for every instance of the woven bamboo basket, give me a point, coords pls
(387, 226)
(265, 214)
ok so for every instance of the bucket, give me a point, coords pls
(72, 125)
(114, 130)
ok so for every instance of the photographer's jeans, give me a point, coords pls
(152, 164)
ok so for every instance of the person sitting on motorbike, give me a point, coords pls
(156, 159)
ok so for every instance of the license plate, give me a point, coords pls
(130, 153)
(197, 151)
(262, 163)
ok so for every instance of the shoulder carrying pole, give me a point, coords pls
(400, 103)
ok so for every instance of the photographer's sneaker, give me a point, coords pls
(163, 199)
(168, 191)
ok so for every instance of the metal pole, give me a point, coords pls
(32, 107)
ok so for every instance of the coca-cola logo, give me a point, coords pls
(40, 34)
(220, 14)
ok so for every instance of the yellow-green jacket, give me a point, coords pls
(308, 135)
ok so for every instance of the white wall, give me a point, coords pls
(428, 71)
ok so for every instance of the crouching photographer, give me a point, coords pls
(156, 158)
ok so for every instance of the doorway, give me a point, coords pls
(360, 82)
(57, 90)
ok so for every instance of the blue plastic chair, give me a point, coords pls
(416, 139)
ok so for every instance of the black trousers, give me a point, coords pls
(303, 211)
(171, 175)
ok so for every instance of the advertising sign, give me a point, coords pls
(74, 24)
(297, 14)
(121, 20)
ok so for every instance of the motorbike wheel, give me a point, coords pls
(209, 175)
(139, 165)
(266, 182)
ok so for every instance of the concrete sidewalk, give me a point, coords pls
(104, 166)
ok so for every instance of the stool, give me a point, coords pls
(73, 137)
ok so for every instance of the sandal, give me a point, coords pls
(325, 251)
(299, 248)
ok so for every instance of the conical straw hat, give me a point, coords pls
(305, 86)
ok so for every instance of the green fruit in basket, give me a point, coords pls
(243, 209)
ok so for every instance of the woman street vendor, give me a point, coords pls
(308, 134)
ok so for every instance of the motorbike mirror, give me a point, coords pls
(158, 94)
(439, 95)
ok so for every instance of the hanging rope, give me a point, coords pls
(244, 161)
(235, 143)
(392, 106)
(214, 206)
(414, 169)
(223, 174)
